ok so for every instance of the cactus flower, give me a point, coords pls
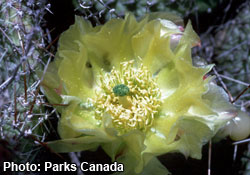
(132, 89)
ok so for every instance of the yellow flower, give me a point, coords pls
(132, 89)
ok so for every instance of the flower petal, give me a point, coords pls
(78, 120)
(162, 133)
(164, 15)
(152, 45)
(112, 44)
(218, 98)
(75, 73)
(155, 167)
(69, 40)
(76, 144)
(52, 86)
(188, 136)
(193, 135)
(168, 80)
(114, 149)
(188, 78)
(189, 37)
(131, 155)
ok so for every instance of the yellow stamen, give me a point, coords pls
(131, 97)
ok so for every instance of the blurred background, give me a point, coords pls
(29, 33)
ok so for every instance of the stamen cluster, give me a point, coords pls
(138, 108)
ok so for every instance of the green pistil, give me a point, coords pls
(121, 90)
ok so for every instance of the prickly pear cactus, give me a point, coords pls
(21, 48)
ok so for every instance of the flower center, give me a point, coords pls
(130, 96)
